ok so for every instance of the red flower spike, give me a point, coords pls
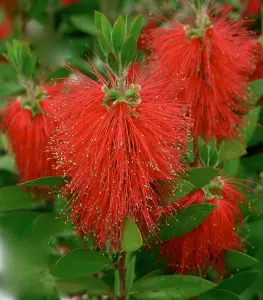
(28, 137)
(217, 65)
(253, 9)
(5, 28)
(120, 156)
(206, 245)
(69, 2)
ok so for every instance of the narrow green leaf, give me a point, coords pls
(90, 285)
(80, 262)
(238, 260)
(48, 181)
(51, 224)
(131, 238)
(183, 188)
(184, 221)
(118, 33)
(256, 88)
(10, 88)
(199, 177)
(239, 282)
(84, 23)
(104, 42)
(130, 270)
(154, 273)
(106, 27)
(170, 287)
(217, 294)
(251, 122)
(128, 50)
(136, 27)
(113, 63)
(7, 162)
(230, 150)
(14, 198)
(98, 20)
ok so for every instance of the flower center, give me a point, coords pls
(201, 24)
(33, 104)
(131, 96)
(213, 188)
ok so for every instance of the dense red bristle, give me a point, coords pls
(69, 2)
(116, 158)
(5, 28)
(28, 137)
(206, 245)
(217, 66)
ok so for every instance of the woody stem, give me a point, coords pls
(122, 275)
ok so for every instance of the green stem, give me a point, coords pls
(122, 275)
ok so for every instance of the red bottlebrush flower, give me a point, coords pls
(68, 2)
(28, 136)
(206, 244)
(145, 34)
(217, 61)
(119, 155)
(253, 8)
(5, 28)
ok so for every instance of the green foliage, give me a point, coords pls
(184, 221)
(80, 262)
(170, 287)
(199, 177)
(49, 181)
(131, 239)
(21, 58)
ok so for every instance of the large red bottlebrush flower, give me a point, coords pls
(5, 28)
(217, 58)
(253, 8)
(206, 244)
(68, 2)
(119, 155)
(28, 131)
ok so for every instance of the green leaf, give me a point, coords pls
(183, 188)
(170, 287)
(185, 221)
(113, 63)
(131, 238)
(130, 270)
(104, 42)
(239, 282)
(106, 27)
(14, 198)
(51, 224)
(84, 23)
(7, 162)
(238, 260)
(231, 167)
(118, 33)
(80, 262)
(21, 58)
(256, 88)
(48, 181)
(90, 285)
(217, 294)
(251, 122)
(98, 20)
(136, 27)
(230, 150)
(199, 177)
(128, 50)
(10, 88)
(153, 273)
